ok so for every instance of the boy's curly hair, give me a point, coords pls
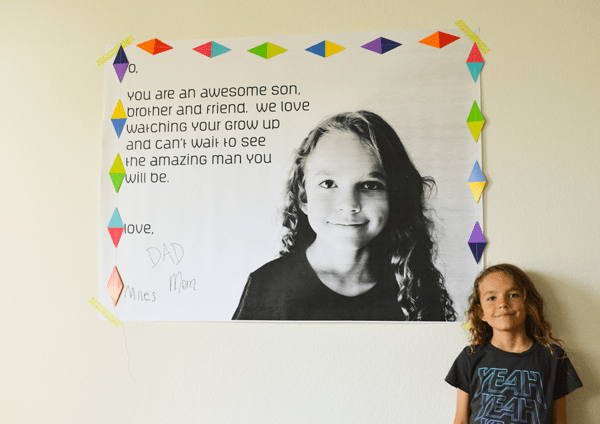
(538, 329)
(406, 243)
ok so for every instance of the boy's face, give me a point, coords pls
(347, 198)
(502, 303)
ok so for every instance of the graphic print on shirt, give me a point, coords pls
(518, 396)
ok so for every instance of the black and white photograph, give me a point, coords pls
(358, 245)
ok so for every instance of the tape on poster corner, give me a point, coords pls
(472, 36)
(126, 42)
(105, 312)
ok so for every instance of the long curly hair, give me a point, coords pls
(406, 243)
(536, 325)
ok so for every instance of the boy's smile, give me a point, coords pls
(347, 201)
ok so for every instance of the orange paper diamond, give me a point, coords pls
(439, 39)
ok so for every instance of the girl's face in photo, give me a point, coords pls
(502, 303)
(347, 198)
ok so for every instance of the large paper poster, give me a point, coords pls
(312, 177)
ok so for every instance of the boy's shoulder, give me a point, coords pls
(287, 274)
(473, 350)
(470, 355)
(282, 265)
(557, 351)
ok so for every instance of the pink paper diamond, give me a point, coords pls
(115, 286)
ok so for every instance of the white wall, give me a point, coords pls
(540, 91)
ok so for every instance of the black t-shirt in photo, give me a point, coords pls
(289, 289)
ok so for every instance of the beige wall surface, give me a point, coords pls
(60, 364)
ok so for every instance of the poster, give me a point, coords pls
(206, 131)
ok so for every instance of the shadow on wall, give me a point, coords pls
(581, 401)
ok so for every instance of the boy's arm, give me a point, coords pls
(462, 407)
(559, 412)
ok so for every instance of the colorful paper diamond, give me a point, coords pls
(477, 242)
(475, 121)
(267, 50)
(325, 49)
(211, 49)
(116, 227)
(115, 286)
(121, 64)
(476, 181)
(119, 118)
(381, 45)
(117, 173)
(154, 46)
(475, 62)
(439, 39)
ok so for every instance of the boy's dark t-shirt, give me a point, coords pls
(289, 289)
(506, 388)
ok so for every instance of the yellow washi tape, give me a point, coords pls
(105, 312)
(126, 42)
(472, 36)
